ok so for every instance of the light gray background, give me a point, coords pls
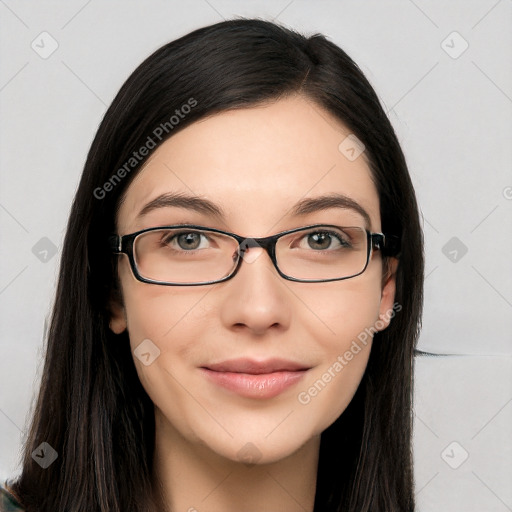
(452, 110)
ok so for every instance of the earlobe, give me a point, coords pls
(117, 322)
(387, 300)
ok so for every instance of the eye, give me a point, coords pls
(187, 241)
(323, 240)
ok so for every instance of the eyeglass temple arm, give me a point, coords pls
(389, 245)
(115, 243)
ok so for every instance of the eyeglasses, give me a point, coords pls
(189, 255)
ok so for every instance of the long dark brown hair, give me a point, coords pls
(91, 407)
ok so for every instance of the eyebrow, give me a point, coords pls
(180, 200)
(301, 208)
(314, 204)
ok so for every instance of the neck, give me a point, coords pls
(193, 478)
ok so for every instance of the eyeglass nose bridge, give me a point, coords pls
(267, 243)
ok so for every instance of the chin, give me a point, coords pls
(261, 450)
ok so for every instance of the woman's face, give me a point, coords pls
(255, 165)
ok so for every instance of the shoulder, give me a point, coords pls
(8, 502)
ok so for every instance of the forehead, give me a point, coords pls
(255, 163)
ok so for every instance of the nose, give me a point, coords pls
(250, 249)
(255, 298)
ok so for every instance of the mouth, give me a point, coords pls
(255, 379)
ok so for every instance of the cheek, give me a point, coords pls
(343, 330)
(333, 385)
(161, 313)
(336, 313)
(174, 318)
(175, 321)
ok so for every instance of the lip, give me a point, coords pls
(255, 379)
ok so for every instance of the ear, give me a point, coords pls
(118, 321)
(387, 298)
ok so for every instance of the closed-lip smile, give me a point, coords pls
(252, 378)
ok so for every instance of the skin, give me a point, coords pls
(255, 163)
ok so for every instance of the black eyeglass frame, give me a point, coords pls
(389, 245)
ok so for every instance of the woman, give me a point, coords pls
(239, 295)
